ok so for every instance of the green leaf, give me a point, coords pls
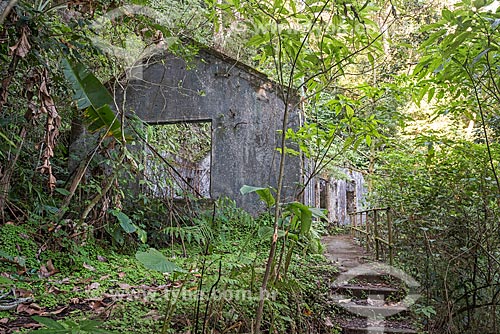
(495, 24)
(125, 221)
(62, 191)
(264, 193)
(305, 221)
(143, 235)
(50, 323)
(89, 91)
(154, 260)
(103, 118)
(266, 232)
(318, 213)
(118, 235)
(7, 140)
(5, 281)
(91, 95)
(479, 56)
(305, 214)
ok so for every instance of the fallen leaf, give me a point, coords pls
(47, 270)
(93, 286)
(43, 272)
(154, 315)
(102, 258)
(23, 293)
(105, 277)
(31, 325)
(124, 286)
(55, 290)
(88, 267)
(57, 311)
(85, 281)
(121, 274)
(30, 309)
(4, 320)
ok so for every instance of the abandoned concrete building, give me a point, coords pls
(242, 113)
(340, 193)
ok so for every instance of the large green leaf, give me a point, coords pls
(266, 232)
(89, 91)
(305, 213)
(93, 97)
(153, 259)
(50, 323)
(103, 118)
(264, 193)
(125, 221)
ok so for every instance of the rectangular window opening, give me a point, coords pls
(178, 164)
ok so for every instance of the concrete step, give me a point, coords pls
(377, 330)
(363, 291)
(378, 310)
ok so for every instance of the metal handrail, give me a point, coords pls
(371, 230)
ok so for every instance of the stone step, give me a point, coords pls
(363, 291)
(372, 311)
(377, 330)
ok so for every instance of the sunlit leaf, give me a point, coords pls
(154, 260)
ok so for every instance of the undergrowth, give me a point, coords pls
(219, 289)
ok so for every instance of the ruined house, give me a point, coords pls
(244, 113)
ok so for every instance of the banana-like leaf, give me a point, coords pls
(93, 97)
(89, 91)
(103, 118)
(125, 221)
(266, 232)
(305, 213)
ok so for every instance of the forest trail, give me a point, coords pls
(343, 252)
(366, 295)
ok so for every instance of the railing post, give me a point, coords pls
(389, 235)
(355, 216)
(367, 224)
(375, 225)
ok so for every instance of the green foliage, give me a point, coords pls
(264, 194)
(128, 226)
(68, 326)
(17, 245)
(94, 98)
(154, 260)
(446, 205)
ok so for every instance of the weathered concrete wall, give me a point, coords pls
(339, 205)
(243, 107)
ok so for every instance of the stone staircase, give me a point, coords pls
(367, 309)
(370, 297)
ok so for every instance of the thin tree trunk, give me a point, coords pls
(7, 176)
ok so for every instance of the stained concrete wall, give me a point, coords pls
(340, 193)
(243, 106)
(338, 188)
